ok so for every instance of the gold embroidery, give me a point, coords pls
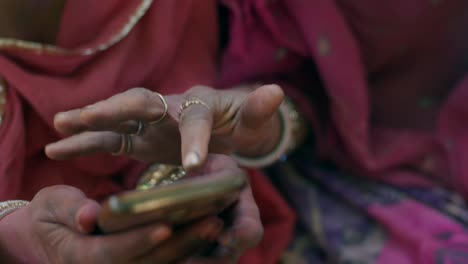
(2, 99)
(160, 175)
(7, 43)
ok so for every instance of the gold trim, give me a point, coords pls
(2, 99)
(6, 43)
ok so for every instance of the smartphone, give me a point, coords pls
(175, 204)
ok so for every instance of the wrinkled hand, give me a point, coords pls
(55, 228)
(245, 233)
(236, 120)
(246, 230)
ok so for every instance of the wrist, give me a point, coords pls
(268, 143)
(292, 133)
(10, 238)
(16, 243)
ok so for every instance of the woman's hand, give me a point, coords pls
(221, 121)
(55, 228)
(245, 233)
(246, 230)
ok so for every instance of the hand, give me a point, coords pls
(55, 228)
(245, 233)
(236, 120)
(246, 230)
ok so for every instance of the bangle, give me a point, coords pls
(292, 134)
(8, 207)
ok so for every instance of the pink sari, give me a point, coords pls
(343, 61)
(103, 49)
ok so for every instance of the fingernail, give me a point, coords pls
(60, 115)
(160, 233)
(191, 160)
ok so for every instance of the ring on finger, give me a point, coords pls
(140, 129)
(190, 102)
(126, 145)
(161, 97)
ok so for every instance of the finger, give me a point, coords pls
(68, 206)
(125, 246)
(186, 243)
(195, 130)
(261, 105)
(86, 143)
(135, 104)
(247, 229)
(69, 123)
(217, 165)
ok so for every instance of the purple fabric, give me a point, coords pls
(372, 62)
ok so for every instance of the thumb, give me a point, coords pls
(261, 105)
(69, 206)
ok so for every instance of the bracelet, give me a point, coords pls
(8, 207)
(293, 131)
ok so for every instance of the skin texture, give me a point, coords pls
(56, 228)
(244, 118)
(236, 120)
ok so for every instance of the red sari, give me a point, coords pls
(167, 46)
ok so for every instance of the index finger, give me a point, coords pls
(195, 125)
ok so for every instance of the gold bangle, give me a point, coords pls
(8, 207)
(293, 134)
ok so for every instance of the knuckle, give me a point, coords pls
(138, 90)
(56, 192)
(198, 89)
(106, 143)
(141, 96)
(195, 115)
(52, 202)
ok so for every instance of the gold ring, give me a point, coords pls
(190, 102)
(165, 110)
(126, 145)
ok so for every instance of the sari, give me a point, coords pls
(364, 189)
(103, 49)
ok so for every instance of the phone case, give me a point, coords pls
(179, 203)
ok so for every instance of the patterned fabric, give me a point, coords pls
(350, 219)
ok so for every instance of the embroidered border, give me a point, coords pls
(9, 43)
